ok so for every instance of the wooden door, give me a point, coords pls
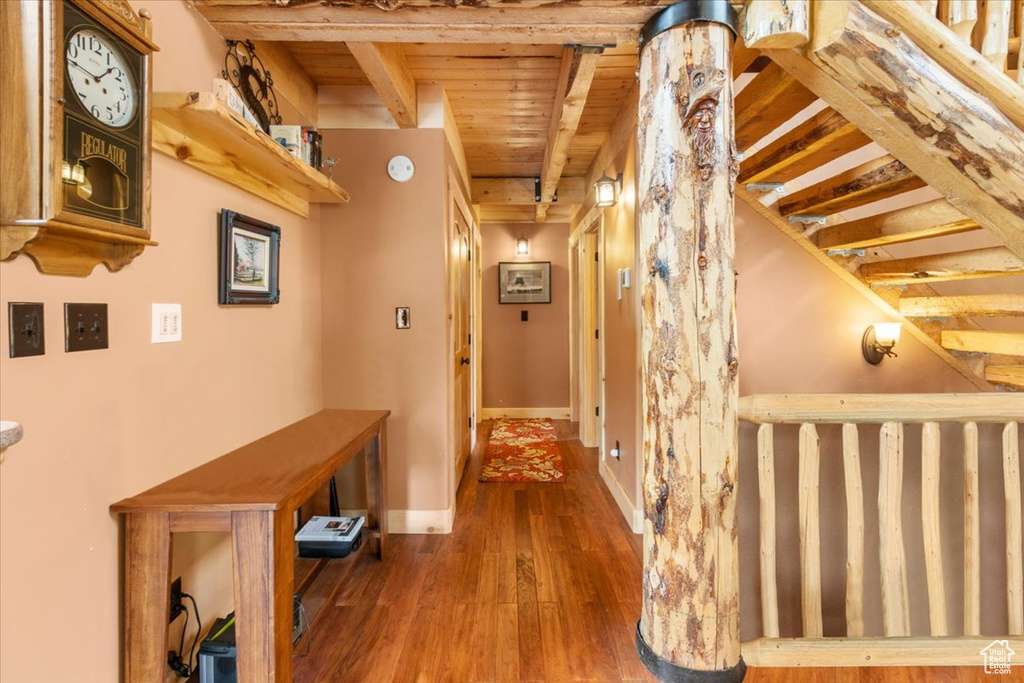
(461, 280)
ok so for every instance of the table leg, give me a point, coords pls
(264, 556)
(147, 595)
(377, 487)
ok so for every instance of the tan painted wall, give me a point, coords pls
(621, 333)
(383, 250)
(799, 332)
(526, 364)
(103, 425)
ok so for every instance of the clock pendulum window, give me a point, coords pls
(94, 207)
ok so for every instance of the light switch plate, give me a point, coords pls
(402, 319)
(166, 323)
(85, 327)
(25, 323)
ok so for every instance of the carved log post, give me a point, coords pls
(689, 625)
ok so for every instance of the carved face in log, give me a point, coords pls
(701, 124)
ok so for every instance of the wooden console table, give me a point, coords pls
(253, 493)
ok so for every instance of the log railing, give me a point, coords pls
(891, 415)
(991, 27)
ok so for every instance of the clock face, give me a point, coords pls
(100, 77)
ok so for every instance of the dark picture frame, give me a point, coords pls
(249, 256)
(524, 282)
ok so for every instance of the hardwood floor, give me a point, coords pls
(537, 582)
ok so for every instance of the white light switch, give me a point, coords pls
(166, 323)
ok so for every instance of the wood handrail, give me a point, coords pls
(878, 408)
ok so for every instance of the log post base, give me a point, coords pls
(667, 672)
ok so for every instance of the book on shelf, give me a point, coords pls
(289, 137)
(226, 93)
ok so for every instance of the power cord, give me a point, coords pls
(180, 668)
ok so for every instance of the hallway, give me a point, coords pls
(537, 582)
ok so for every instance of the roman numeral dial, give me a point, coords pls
(100, 77)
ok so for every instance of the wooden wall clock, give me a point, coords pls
(75, 127)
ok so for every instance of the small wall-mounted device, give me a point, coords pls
(625, 281)
(166, 326)
(25, 325)
(401, 168)
(617, 451)
(524, 315)
(402, 319)
(85, 327)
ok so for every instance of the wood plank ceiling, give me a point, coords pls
(502, 97)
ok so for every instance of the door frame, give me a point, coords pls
(457, 203)
(587, 316)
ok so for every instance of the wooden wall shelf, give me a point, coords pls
(206, 134)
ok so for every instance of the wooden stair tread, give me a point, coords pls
(869, 182)
(977, 305)
(961, 265)
(769, 100)
(815, 142)
(984, 341)
(918, 222)
(1009, 375)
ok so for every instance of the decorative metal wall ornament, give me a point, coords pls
(252, 80)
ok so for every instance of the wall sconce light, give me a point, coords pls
(522, 246)
(879, 340)
(607, 190)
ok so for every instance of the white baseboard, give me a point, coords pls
(634, 516)
(553, 413)
(420, 521)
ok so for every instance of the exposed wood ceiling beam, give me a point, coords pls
(521, 191)
(977, 305)
(623, 130)
(960, 265)
(388, 71)
(818, 140)
(560, 22)
(950, 137)
(982, 341)
(869, 182)
(291, 81)
(573, 86)
(922, 221)
(769, 100)
(505, 213)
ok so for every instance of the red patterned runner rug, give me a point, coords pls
(523, 451)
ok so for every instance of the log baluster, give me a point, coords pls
(891, 552)
(687, 168)
(960, 16)
(854, 532)
(766, 491)
(1014, 560)
(810, 534)
(930, 496)
(992, 31)
(972, 533)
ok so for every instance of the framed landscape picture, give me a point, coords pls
(524, 283)
(249, 260)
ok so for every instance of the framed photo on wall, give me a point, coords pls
(249, 257)
(524, 283)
